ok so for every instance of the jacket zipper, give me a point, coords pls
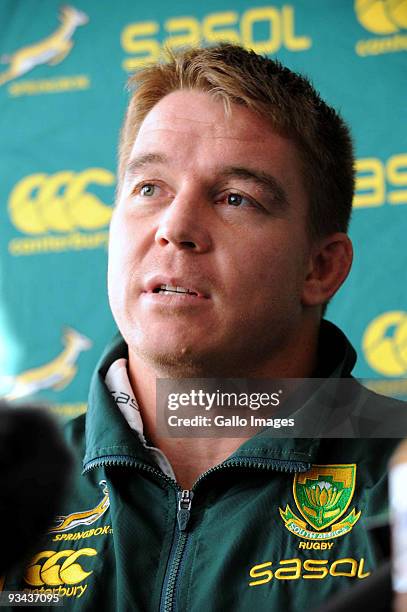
(184, 502)
(179, 542)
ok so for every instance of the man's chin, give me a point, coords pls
(183, 362)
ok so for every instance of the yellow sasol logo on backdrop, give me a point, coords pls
(382, 17)
(51, 50)
(379, 182)
(277, 25)
(385, 343)
(56, 374)
(43, 203)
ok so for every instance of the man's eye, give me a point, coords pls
(236, 199)
(148, 190)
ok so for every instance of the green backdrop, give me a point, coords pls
(62, 97)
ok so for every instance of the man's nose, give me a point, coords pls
(184, 224)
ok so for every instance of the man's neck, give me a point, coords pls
(190, 457)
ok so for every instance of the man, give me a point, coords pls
(227, 241)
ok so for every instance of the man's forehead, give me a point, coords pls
(186, 112)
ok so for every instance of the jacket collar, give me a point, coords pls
(107, 433)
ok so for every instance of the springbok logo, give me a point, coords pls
(86, 517)
(322, 496)
(51, 50)
(56, 374)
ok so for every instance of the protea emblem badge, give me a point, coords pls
(322, 496)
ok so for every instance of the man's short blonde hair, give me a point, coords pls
(284, 98)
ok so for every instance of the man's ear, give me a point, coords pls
(330, 262)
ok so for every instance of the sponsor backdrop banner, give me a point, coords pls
(62, 97)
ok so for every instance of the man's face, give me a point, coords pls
(213, 205)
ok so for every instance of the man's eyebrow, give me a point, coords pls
(263, 178)
(140, 161)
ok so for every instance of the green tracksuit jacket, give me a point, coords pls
(278, 526)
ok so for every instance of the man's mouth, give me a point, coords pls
(170, 290)
(181, 290)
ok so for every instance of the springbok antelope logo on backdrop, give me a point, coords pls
(51, 50)
(56, 374)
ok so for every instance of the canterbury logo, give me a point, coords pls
(86, 517)
(56, 374)
(382, 16)
(52, 572)
(384, 343)
(52, 50)
(40, 203)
